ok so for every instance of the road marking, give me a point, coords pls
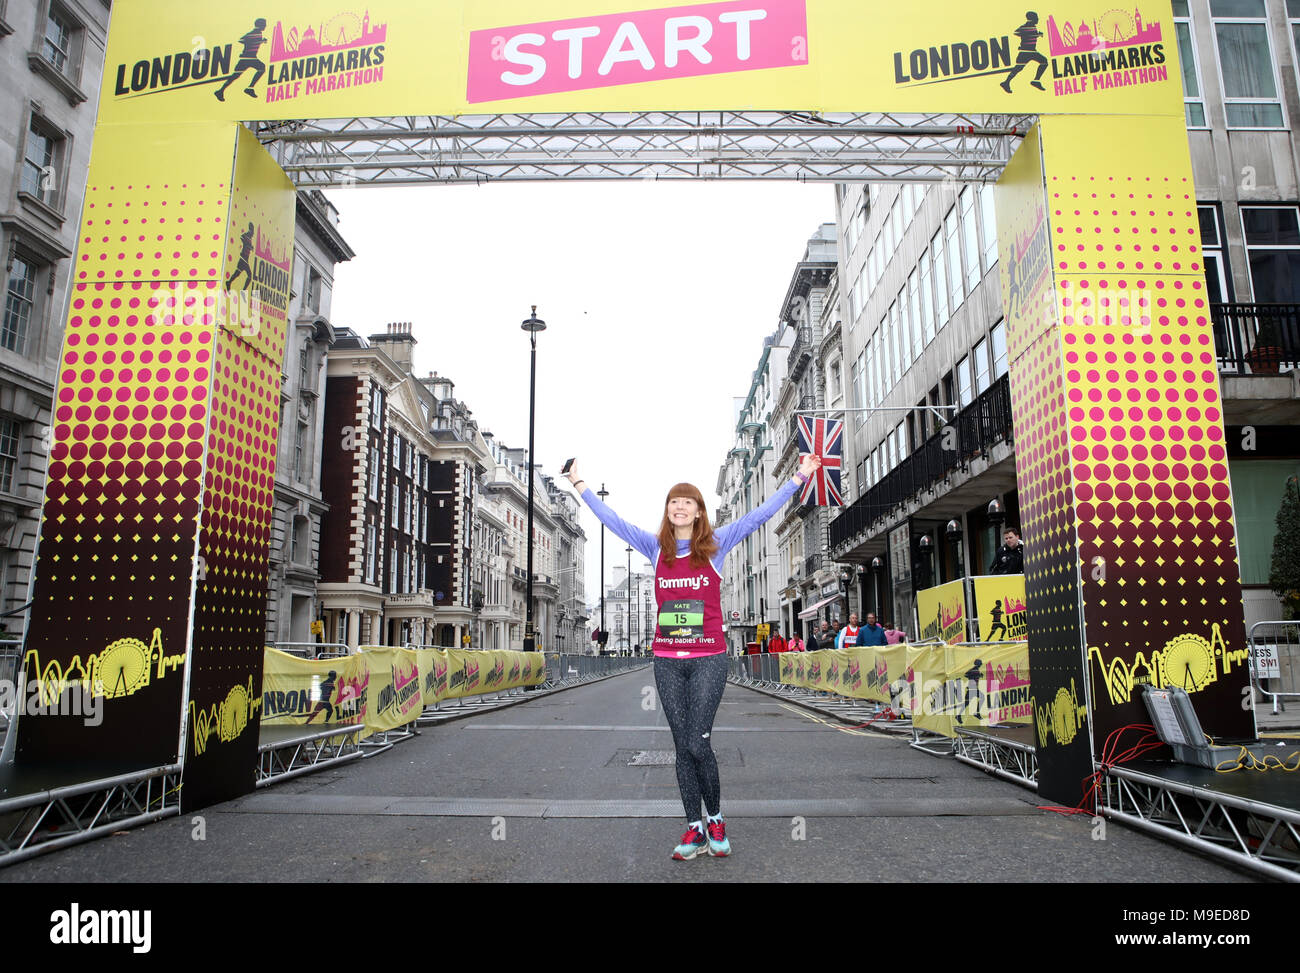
(629, 727)
(526, 807)
(838, 726)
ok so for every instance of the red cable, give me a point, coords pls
(1109, 758)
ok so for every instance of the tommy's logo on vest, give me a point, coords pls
(342, 51)
(1117, 47)
(695, 584)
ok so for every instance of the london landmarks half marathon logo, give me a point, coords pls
(1115, 50)
(344, 51)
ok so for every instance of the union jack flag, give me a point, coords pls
(822, 437)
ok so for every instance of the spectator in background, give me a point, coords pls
(776, 643)
(796, 643)
(871, 633)
(1010, 558)
(894, 635)
(850, 635)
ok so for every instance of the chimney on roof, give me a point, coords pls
(397, 342)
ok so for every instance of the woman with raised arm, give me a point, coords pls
(689, 647)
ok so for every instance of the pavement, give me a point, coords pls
(579, 786)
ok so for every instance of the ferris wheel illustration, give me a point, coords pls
(1188, 663)
(341, 29)
(233, 716)
(1115, 26)
(123, 668)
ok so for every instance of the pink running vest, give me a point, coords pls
(690, 610)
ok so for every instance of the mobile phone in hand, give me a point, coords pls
(567, 463)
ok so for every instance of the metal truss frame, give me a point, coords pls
(795, 146)
(31, 824)
(1016, 762)
(303, 755)
(935, 744)
(1262, 837)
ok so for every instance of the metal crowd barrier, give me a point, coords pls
(11, 656)
(314, 650)
(564, 670)
(1282, 641)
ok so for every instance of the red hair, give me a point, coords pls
(703, 543)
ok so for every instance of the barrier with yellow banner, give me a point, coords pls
(943, 686)
(941, 612)
(1000, 607)
(971, 685)
(385, 687)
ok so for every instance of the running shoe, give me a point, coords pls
(693, 842)
(719, 846)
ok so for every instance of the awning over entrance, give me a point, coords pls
(811, 612)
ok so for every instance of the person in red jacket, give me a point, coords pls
(776, 643)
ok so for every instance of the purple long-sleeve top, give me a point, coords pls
(727, 536)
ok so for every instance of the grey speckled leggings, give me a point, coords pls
(690, 691)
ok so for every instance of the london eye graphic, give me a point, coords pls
(123, 667)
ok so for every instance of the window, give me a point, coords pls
(1273, 252)
(914, 306)
(981, 360)
(57, 44)
(1250, 89)
(300, 551)
(42, 162)
(927, 307)
(314, 284)
(963, 383)
(940, 282)
(299, 451)
(20, 303)
(970, 238)
(859, 386)
(998, 337)
(373, 463)
(952, 242)
(836, 383)
(1195, 107)
(376, 407)
(304, 366)
(988, 227)
(1216, 275)
(9, 439)
(371, 553)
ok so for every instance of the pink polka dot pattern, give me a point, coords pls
(1134, 446)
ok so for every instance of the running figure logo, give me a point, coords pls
(996, 613)
(1029, 34)
(245, 248)
(252, 42)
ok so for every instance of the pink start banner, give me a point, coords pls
(629, 48)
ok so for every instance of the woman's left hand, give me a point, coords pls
(811, 463)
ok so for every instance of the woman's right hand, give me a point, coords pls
(573, 476)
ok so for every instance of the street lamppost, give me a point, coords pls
(532, 326)
(629, 600)
(953, 532)
(602, 493)
(877, 567)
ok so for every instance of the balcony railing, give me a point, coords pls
(978, 427)
(1260, 338)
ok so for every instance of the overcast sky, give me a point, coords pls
(656, 296)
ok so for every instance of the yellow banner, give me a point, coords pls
(942, 612)
(169, 62)
(396, 698)
(1000, 602)
(320, 692)
(971, 686)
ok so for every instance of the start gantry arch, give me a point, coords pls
(798, 146)
(158, 497)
